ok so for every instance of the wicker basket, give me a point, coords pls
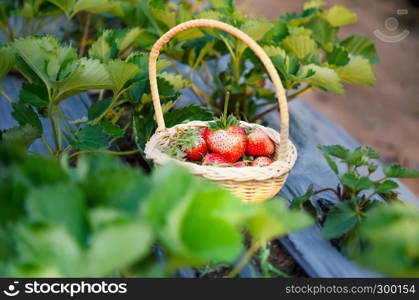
(251, 184)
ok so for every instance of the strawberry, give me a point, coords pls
(259, 144)
(261, 161)
(227, 139)
(214, 159)
(198, 151)
(240, 164)
(188, 143)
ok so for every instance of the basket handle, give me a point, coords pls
(273, 74)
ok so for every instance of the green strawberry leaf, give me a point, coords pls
(323, 77)
(132, 238)
(338, 57)
(340, 220)
(7, 61)
(90, 137)
(91, 74)
(299, 45)
(314, 4)
(187, 113)
(361, 45)
(396, 171)
(34, 94)
(98, 108)
(120, 72)
(111, 129)
(358, 71)
(339, 15)
(386, 187)
(322, 32)
(356, 183)
(25, 114)
(23, 134)
(44, 203)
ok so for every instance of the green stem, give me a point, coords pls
(53, 127)
(58, 124)
(105, 151)
(226, 101)
(244, 260)
(114, 100)
(300, 92)
(44, 141)
(3, 93)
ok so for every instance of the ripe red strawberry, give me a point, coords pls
(259, 144)
(240, 164)
(214, 159)
(230, 143)
(198, 151)
(188, 143)
(261, 161)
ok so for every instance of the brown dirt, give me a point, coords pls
(386, 116)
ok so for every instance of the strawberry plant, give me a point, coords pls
(60, 221)
(305, 48)
(366, 208)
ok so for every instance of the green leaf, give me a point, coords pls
(335, 150)
(299, 45)
(95, 6)
(358, 71)
(177, 81)
(108, 183)
(303, 202)
(34, 94)
(361, 45)
(396, 171)
(23, 134)
(7, 61)
(256, 29)
(166, 17)
(46, 58)
(98, 108)
(338, 57)
(390, 235)
(128, 38)
(90, 74)
(356, 183)
(187, 113)
(340, 15)
(112, 129)
(120, 73)
(25, 114)
(273, 51)
(272, 219)
(386, 187)
(53, 248)
(314, 4)
(90, 137)
(323, 77)
(222, 5)
(331, 163)
(100, 49)
(60, 204)
(322, 32)
(340, 220)
(65, 5)
(132, 238)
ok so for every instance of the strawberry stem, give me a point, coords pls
(227, 99)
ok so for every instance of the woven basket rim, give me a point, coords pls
(276, 169)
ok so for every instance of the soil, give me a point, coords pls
(279, 258)
(386, 116)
